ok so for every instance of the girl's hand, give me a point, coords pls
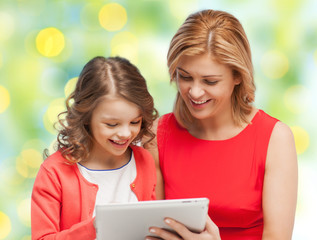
(211, 232)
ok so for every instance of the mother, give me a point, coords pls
(217, 144)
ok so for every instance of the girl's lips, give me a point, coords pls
(120, 144)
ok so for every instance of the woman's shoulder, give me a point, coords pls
(263, 120)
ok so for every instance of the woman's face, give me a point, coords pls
(205, 85)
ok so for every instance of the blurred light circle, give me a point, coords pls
(180, 9)
(5, 225)
(4, 99)
(24, 212)
(26, 237)
(6, 26)
(125, 44)
(1, 60)
(301, 139)
(28, 163)
(70, 86)
(274, 64)
(50, 117)
(50, 42)
(315, 57)
(296, 99)
(112, 17)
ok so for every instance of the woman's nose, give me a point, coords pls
(196, 91)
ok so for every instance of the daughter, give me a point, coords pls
(97, 161)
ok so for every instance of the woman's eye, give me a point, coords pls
(184, 77)
(210, 82)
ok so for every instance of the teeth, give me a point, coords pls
(120, 142)
(199, 102)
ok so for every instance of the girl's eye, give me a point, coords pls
(111, 125)
(136, 122)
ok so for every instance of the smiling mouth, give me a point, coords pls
(199, 102)
(120, 143)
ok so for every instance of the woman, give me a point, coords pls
(216, 144)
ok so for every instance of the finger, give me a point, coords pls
(211, 227)
(164, 234)
(180, 228)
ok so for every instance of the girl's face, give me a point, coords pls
(205, 85)
(114, 124)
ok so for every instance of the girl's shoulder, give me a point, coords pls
(56, 160)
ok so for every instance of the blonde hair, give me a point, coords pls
(222, 36)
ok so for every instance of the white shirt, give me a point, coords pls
(114, 184)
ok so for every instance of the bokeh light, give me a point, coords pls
(50, 42)
(297, 99)
(113, 17)
(274, 64)
(28, 163)
(50, 117)
(7, 26)
(70, 86)
(1, 60)
(301, 139)
(4, 99)
(125, 44)
(5, 225)
(24, 212)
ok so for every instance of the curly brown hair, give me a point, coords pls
(95, 81)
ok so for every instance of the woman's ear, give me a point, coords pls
(237, 77)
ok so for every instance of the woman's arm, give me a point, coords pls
(280, 185)
(153, 149)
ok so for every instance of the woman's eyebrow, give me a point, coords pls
(205, 76)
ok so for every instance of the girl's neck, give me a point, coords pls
(105, 162)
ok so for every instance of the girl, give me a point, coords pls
(97, 161)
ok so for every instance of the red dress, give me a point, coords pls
(228, 172)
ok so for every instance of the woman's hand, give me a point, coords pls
(211, 231)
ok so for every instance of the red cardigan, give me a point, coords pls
(63, 200)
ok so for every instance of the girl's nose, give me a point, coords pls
(124, 132)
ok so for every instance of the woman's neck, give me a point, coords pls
(219, 127)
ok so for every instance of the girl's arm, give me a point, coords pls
(46, 207)
(280, 185)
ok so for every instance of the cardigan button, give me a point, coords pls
(133, 185)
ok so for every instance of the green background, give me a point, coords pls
(44, 44)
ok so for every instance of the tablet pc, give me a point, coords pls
(121, 221)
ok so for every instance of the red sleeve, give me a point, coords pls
(45, 211)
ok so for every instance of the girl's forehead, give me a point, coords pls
(113, 106)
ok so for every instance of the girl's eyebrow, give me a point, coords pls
(206, 76)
